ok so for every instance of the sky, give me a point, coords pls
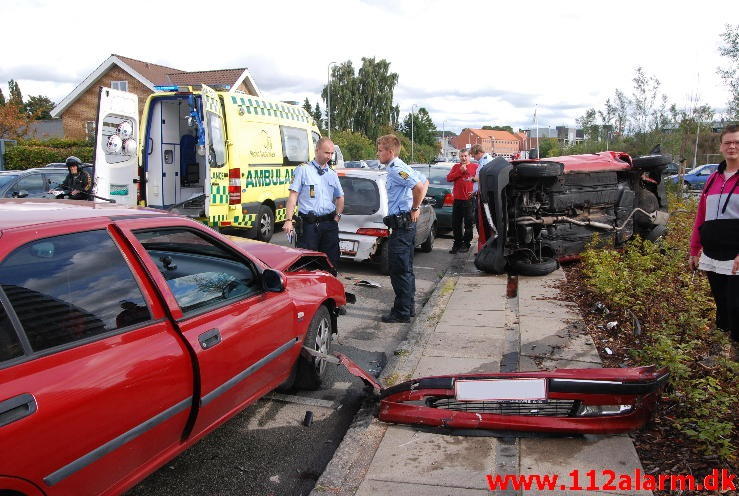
(469, 63)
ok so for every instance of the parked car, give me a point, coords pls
(441, 191)
(362, 235)
(30, 183)
(695, 178)
(539, 211)
(128, 334)
(374, 164)
(355, 164)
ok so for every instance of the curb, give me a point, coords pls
(346, 470)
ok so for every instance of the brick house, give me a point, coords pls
(78, 110)
(501, 143)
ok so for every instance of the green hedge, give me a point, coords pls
(35, 153)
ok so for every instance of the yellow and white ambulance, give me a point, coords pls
(224, 157)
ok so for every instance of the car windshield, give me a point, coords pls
(361, 195)
(6, 179)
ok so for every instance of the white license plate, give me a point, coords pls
(500, 389)
(348, 246)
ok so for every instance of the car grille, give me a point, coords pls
(547, 408)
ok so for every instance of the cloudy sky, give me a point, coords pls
(468, 62)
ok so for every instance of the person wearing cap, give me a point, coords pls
(77, 185)
(316, 190)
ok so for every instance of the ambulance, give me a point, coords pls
(225, 158)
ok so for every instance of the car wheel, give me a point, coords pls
(428, 245)
(384, 258)
(649, 203)
(651, 161)
(310, 371)
(526, 267)
(657, 233)
(545, 169)
(264, 226)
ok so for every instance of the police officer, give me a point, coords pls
(77, 184)
(406, 189)
(315, 188)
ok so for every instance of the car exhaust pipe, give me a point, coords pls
(656, 217)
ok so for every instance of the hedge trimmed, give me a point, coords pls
(28, 154)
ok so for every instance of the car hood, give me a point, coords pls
(276, 256)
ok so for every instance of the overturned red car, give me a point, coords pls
(533, 213)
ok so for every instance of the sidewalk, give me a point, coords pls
(469, 325)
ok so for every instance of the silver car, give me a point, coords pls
(362, 235)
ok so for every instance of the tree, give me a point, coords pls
(2, 98)
(307, 107)
(589, 125)
(621, 115)
(730, 73)
(343, 96)
(498, 128)
(38, 107)
(317, 114)
(13, 122)
(16, 98)
(423, 127)
(643, 97)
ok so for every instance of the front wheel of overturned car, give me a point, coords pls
(527, 267)
(648, 162)
(428, 245)
(310, 371)
(539, 170)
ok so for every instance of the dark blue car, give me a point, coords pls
(695, 178)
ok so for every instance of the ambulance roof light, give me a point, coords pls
(166, 88)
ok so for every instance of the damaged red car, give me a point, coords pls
(534, 213)
(126, 335)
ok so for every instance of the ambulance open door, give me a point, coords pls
(217, 190)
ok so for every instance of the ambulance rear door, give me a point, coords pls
(216, 204)
(116, 168)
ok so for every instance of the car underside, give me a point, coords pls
(537, 212)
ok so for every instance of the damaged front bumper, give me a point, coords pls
(562, 401)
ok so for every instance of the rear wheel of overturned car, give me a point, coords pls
(648, 162)
(657, 233)
(428, 245)
(526, 267)
(384, 257)
(310, 371)
(264, 225)
(546, 169)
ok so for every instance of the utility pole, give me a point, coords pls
(328, 100)
(413, 118)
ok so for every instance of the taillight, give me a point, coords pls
(234, 186)
(371, 231)
(448, 200)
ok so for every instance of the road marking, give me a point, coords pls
(302, 400)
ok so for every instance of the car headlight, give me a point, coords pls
(600, 410)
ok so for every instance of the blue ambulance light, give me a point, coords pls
(166, 88)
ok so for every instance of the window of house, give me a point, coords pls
(71, 287)
(119, 85)
(90, 128)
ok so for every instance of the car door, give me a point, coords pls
(30, 185)
(245, 339)
(96, 384)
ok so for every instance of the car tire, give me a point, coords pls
(525, 267)
(384, 258)
(264, 225)
(544, 169)
(428, 245)
(311, 371)
(649, 203)
(647, 162)
(656, 234)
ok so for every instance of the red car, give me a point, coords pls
(126, 335)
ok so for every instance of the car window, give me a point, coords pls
(198, 271)
(361, 195)
(10, 346)
(55, 180)
(435, 175)
(295, 146)
(6, 179)
(71, 287)
(33, 183)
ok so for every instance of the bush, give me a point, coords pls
(677, 311)
(35, 153)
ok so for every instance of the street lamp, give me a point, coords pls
(443, 143)
(412, 119)
(328, 91)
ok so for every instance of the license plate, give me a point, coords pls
(348, 246)
(500, 389)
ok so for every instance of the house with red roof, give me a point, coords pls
(78, 110)
(501, 143)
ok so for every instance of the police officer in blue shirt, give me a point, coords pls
(406, 189)
(315, 188)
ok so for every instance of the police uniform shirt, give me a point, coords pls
(400, 180)
(483, 160)
(316, 191)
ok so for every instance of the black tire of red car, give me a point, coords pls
(649, 203)
(546, 169)
(384, 258)
(264, 224)
(525, 267)
(657, 233)
(648, 162)
(310, 371)
(428, 245)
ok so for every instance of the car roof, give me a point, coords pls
(32, 211)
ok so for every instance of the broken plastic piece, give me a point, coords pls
(308, 420)
(366, 283)
(611, 325)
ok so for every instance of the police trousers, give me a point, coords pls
(402, 244)
(321, 236)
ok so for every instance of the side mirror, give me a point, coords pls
(429, 201)
(273, 281)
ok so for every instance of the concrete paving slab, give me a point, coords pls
(495, 329)
(431, 365)
(469, 297)
(559, 338)
(471, 317)
(537, 363)
(546, 456)
(375, 488)
(409, 456)
(465, 345)
(486, 279)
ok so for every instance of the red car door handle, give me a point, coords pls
(17, 408)
(209, 339)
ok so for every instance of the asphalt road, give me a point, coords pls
(266, 450)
